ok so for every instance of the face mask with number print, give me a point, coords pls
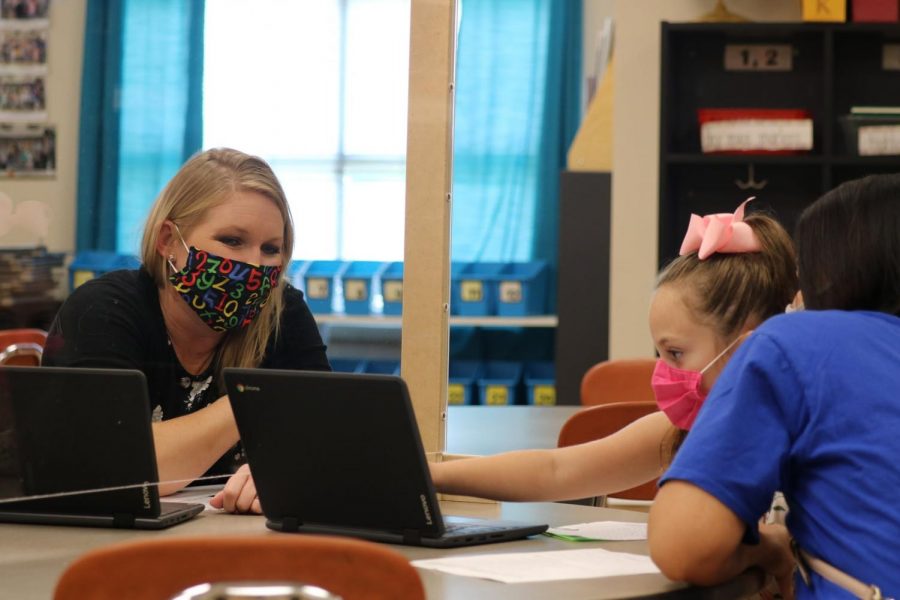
(224, 293)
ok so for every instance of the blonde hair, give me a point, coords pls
(204, 182)
(732, 290)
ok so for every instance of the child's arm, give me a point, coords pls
(629, 457)
(695, 538)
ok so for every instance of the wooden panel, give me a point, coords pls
(425, 336)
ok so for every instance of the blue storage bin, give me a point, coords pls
(295, 272)
(540, 383)
(319, 281)
(89, 264)
(392, 288)
(381, 367)
(522, 289)
(473, 289)
(498, 382)
(359, 281)
(347, 365)
(127, 261)
(456, 268)
(462, 387)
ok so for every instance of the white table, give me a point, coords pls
(493, 429)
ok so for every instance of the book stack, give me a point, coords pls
(28, 275)
(872, 130)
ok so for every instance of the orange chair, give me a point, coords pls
(22, 346)
(626, 380)
(600, 421)
(158, 569)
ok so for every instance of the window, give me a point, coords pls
(318, 88)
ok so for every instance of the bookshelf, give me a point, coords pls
(833, 67)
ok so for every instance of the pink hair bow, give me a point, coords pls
(721, 232)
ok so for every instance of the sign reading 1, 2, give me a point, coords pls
(759, 57)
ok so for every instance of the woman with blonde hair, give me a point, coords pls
(210, 294)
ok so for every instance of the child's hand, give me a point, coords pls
(239, 494)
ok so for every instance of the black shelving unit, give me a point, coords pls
(834, 67)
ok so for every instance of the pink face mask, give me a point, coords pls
(679, 393)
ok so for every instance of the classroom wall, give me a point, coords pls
(65, 46)
(636, 154)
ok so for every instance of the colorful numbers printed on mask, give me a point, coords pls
(224, 293)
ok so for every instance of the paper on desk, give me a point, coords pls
(604, 531)
(199, 495)
(525, 567)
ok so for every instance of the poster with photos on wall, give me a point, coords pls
(27, 141)
(27, 148)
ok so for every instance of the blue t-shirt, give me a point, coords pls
(810, 405)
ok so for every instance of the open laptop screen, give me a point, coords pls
(340, 453)
(334, 448)
(50, 424)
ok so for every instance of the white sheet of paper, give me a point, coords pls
(604, 531)
(556, 565)
(201, 494)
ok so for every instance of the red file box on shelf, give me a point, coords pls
(756, 117)
(885, 11)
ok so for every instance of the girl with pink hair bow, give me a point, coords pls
(700, 311)
(810, 405)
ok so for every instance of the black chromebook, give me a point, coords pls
(67, 429)
(340, 453)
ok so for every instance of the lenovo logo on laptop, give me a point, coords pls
(145, 494)
(425, 509)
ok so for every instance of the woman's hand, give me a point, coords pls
(239, 494)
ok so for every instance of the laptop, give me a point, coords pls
(340, 454)
(67, 429)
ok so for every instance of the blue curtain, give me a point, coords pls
(141, 114)
(518, 86)
(98, 138)
(518, 83)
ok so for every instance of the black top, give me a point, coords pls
(115, 321)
